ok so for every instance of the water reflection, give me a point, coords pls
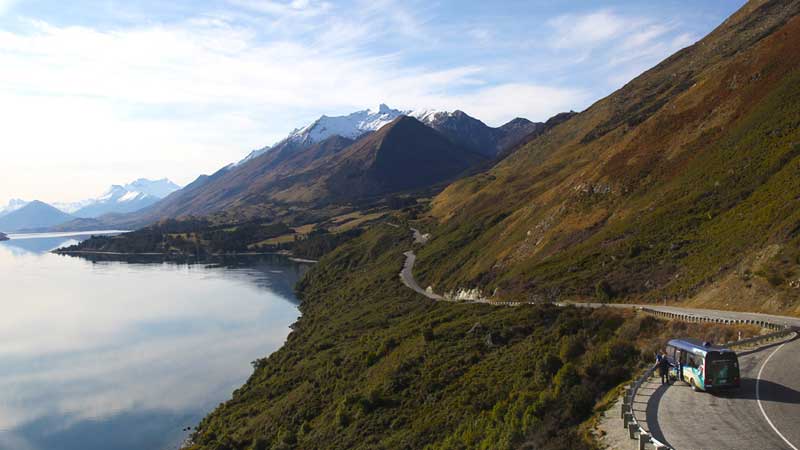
(98, 354)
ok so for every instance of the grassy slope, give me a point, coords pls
(687, 175)
(371, 365)
(701, 176)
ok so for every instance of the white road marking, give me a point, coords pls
(758, 398)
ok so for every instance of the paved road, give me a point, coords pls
(764, 414)
(407, 277)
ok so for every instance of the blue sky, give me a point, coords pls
(100, 92)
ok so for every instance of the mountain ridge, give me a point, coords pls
(639, 192)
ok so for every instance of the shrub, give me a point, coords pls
(603, 291)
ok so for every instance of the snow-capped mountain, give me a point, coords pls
(127, 198)
(351, 126)
(462, 129)
(13, 205)
(155, 188)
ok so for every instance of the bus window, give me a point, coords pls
(723, 368)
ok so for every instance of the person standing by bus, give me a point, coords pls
(663, 368)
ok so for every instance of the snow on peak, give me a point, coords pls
(156, 188)
(428, 115)
(351, 126)
(130, 195)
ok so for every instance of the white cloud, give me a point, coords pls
(277, 8)
(587, 30)
(615, 47)
(187, 99)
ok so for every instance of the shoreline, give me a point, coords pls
(180, 255)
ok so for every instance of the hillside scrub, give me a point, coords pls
(658, 206)
(373, 365)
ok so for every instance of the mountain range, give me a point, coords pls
(680, 188)
(127, 198)
(354, 158)
(119, 199)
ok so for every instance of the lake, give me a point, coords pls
(121, 355)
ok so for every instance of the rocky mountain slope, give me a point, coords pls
(682, 184)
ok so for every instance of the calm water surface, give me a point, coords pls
(123, 355)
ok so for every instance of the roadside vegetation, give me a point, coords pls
(372, 365)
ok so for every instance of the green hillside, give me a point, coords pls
(681, 185)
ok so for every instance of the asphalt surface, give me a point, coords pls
(764, 414)
(407, 277)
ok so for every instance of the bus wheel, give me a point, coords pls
(694, 386)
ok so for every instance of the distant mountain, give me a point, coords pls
(13, 205)
(131, 197)
(305, 167)
(34, 215)
(403, 155)
(3, 237)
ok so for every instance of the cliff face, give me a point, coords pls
(684, 178)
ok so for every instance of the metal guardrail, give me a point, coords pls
(629, 420)
(700, 318)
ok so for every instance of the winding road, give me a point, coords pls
(764, 414)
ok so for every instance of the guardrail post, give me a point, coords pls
(632, 427)
(644, 439)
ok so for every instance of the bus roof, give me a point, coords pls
(696, 346)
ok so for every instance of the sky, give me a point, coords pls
(94, 93)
